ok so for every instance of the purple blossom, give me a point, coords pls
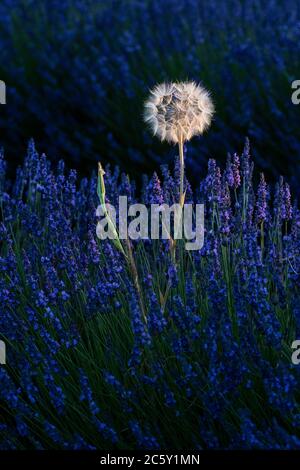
(261, 202)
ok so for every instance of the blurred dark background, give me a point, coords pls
(77, 73)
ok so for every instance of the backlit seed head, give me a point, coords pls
(178, 110)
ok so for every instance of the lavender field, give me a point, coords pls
(213, 370)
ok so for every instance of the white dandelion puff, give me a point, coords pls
(178, 111)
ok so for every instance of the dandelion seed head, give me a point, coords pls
(178, 110)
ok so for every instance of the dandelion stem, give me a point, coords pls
(181, 202)
(181, 159)
(262, 237)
